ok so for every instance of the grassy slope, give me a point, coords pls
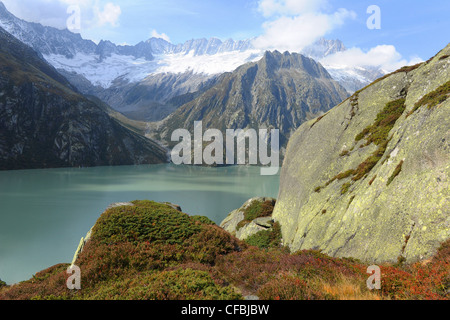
(151, 251)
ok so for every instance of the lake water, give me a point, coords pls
(44, 213)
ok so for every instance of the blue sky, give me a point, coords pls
(410, 29)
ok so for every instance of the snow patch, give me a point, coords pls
(103, 73)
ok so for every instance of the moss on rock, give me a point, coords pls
(371, 221)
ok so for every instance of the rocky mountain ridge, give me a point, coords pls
(115, 73)
(281, 91)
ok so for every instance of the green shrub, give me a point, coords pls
(179, 284)
(149, 237)
(345, 187)
(408, 68)
(211, 243)
(46, 283)
(146, 221)
(433, 98)
(289, 287)
(345, 174)
(210, 263)
(270, 238)
(367, 165)
(378, 132)
(257, 209)
(203, 219)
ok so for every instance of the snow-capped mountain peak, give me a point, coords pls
(105, 63)
(323, 48)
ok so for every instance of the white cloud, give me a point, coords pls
(53, 13)
(384, 56)
(109, 15)
(301, 27)
(76, 2)
(294, 24)
(49, 12)
(155, 34)
(289, 7)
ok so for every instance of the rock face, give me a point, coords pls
(46, 123)
(233, 222)
(370, 179)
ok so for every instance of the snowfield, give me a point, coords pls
(104, 73)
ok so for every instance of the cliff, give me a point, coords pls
(45, 122)
(370, 179)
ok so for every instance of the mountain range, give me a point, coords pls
(282, 90)
(118, 73)
(155, 87)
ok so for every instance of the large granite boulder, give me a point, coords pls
(238, 224)
(370, 179)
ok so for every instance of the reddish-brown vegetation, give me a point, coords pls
(209, 263)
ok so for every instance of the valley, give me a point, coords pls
(301, 172)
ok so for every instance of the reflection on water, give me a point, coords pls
(44, 213)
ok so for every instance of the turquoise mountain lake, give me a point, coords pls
(44, 213)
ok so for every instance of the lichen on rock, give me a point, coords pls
(374, 188)
(253, 216)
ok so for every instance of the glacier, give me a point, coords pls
(130, 69)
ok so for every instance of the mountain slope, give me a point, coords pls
(144, 250)
(370, 179)
(45, 123)
(280, 91)
(152, 98)
(156, 69)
